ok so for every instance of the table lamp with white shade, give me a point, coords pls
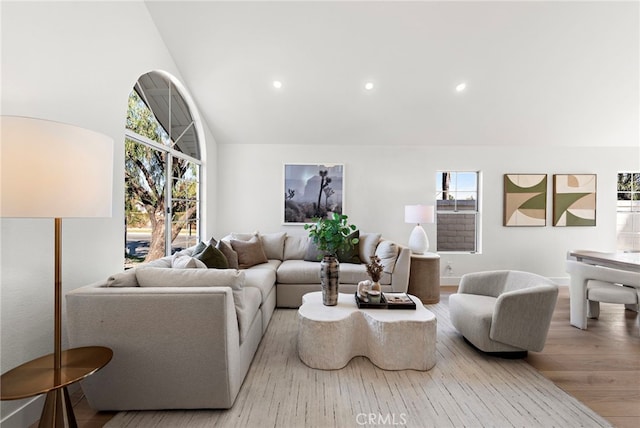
(54, 170)
(418, 214)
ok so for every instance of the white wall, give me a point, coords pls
(73, 62)
(381, 180)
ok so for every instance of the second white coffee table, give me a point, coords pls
(393, 339)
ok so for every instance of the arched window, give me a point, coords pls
(162, 171)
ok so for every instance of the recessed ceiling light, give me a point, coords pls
(277, 84)
(461, 87)
(368, 86)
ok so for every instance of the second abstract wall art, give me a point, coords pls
(574, 200)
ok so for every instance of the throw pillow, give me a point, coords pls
(243, 236)
(367, 246)
(313, 254)
(123, 279)
(186, 262)
(388, 253)
(198, 248)
(250, 253)
(350, 255)
(273, 245)
(164, 262)
(213, 258)
(232, 256)
(295, 247)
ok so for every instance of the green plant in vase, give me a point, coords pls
(331, 235)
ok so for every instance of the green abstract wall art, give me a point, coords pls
(574, 199)
(525, 199)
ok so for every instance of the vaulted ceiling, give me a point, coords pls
(536, 73)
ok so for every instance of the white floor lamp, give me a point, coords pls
(53, 170)
(418, 214)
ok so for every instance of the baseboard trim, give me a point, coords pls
(25, 415)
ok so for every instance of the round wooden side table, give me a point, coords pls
(40, 376)
(424, 277)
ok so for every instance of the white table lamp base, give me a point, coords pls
(418, 241)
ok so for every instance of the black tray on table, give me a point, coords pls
(368, 305)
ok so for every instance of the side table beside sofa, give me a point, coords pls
(424, 277)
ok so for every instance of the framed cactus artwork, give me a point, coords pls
(312, 191)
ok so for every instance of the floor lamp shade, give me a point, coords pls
(418, 214)
(54, 170)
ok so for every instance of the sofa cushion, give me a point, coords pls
(273, 245)
(261, 277)
(229, 254)
(352, 274)
(186, 262)
(213, 258)
(250, 253)
(367, 246)
(295, 247)
(388, 253)
(162, 277)
(249, 311)
(123, 279)
(298, 272)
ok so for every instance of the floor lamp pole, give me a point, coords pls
(58, 410)
(57, 358)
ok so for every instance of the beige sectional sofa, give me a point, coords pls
(185, 337)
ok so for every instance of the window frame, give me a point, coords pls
(628, 215)
(170, 148)
(477, 212)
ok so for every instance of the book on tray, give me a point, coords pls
(399, 301)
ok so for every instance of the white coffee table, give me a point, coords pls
(393, 339)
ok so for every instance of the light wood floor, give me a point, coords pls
(599, 366)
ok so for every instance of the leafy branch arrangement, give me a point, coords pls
(330, 234)
(374, 269)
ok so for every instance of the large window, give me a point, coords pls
(457, 211)
(162, 171)
(628, 211)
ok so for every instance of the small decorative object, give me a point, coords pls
(363, 290)
(330, 236)
(374, 296)
(374, 270)
(418, 214)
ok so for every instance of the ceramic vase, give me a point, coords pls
(329, 276)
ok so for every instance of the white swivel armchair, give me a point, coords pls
(504, 311)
